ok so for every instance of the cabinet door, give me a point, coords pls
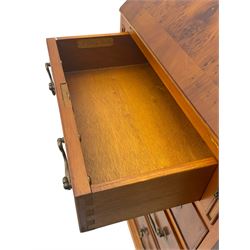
(210, 199)
(145, 234)
(190, 224)
(163, 231)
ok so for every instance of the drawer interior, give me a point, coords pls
(128, 122)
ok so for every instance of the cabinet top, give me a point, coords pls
(183, 35)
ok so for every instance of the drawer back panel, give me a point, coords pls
(99, 52)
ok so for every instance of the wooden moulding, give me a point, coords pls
(106, 202)
(135, 234)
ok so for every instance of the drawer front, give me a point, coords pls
(190, 224)
(214, 212)
(145, 233)
(210, 199)
(163, 231)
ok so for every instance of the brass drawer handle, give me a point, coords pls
(158, 231)
(66, 178)
(51, 84)
(216, 195)
(143, 231)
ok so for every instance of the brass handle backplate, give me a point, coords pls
(66, 179)
(51, 84)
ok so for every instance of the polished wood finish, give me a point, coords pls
(196, 95)
(208, 199)
(199, 124)
(208, 206)
(148, 240)
(135, 234)
(211, 240)
(190, 224)
(183, 35)
(180, 41)
(75, 158)
(98, 51)
(169, 241)
(129, 123)
(139, 111)
(131, 197)
(178, 234)
(190, 233)
(134, 138)
(214, 212)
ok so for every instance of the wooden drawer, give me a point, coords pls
(145, 233)
(130, 148)
(190, 224)
(163, 231)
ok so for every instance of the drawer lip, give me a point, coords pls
(92, 36)
(77, 170)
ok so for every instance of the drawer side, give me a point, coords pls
(77, 168)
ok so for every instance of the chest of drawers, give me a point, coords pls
(138, 111)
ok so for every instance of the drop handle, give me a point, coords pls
(164, 232)
(66, 179)
(51, 84)
(142, 232)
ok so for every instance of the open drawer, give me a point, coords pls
(131, 150)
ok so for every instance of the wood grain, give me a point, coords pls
(98, 51)
(183, 35)
(148, 239)
(199, 124)
(129, 123)
(134, 139)
(208, 199)
(214, 212)
(77, 168)
(135, 234)
(211, 239)
(133, 197)
(176, 229)
(208, 205)
(190, 224)
(169, 241)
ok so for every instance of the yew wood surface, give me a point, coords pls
(148, 239)
(98, 51)
(169, 241)
(129, 123)
(190, 224)
(76, 163)
(135, 234)
(183, 35)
